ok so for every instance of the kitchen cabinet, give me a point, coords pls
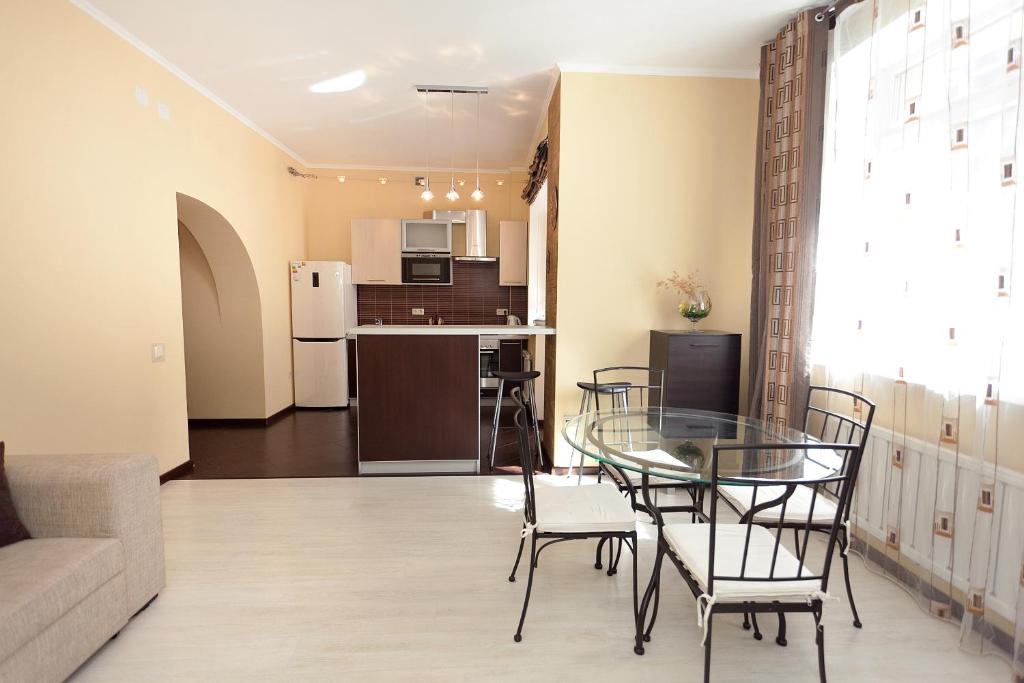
(512, 253)
(702, 369)
(377, 251)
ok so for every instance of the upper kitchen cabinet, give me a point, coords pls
(377, 251)
(512, 253)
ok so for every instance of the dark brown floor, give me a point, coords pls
(308, 443)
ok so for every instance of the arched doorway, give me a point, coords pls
(221, 317)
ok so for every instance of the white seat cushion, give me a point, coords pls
(691, 544)
(798, 505)
(583, 509)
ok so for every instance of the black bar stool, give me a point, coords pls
(619, 391)
(526, 379)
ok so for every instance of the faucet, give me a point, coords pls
(378, 321)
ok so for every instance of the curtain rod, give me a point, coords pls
(833, 10)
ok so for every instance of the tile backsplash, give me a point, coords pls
(471, 299)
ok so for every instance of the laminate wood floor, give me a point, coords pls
(307, 443)
(404, 579)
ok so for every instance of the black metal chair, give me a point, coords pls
(837, 427)
(745, 568)
(633, 387)
(564, 513)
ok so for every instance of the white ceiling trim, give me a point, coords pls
(120, 30)
(752, 74)
(434, 170)
(541, 120)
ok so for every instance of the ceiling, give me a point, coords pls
(259, 57)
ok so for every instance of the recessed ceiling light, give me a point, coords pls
(462, 182)
(342, 83)
(382, 180)
(500, 182)
(341, 179)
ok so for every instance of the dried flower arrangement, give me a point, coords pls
(695, 304)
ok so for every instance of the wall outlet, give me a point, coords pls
(417, 311)
(501, 311)
(158, 353)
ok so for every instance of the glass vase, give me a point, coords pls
(695, 307)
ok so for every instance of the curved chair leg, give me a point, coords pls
(519, 555)
(614, 569)
(529, 585)
(819, 639)
(597, 555)
(654, 610)
(637, 624)
(707, 649)
(780, 639)
(653, 591)
(849, 588)
(757, 630)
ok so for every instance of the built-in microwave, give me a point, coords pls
(426, 269)
(426, 236)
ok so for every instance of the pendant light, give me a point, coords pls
(478, 194)
(452, 194)
(426, 195)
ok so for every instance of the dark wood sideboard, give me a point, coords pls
(702, 369)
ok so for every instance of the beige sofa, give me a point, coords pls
(96, 557)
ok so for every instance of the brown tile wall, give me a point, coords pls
(470, 300)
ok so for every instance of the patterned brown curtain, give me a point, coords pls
(538, 172)
(788, 185)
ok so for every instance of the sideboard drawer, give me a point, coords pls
(702, 369)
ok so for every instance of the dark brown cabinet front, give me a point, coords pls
(702, 369)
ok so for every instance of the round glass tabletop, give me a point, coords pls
(676, 443)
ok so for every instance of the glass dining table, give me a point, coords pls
(679, 444)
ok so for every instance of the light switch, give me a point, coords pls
(164, 111)
(158, 355)
(141, 96)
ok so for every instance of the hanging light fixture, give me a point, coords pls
(478, 194)
(426, 195)
(452, 194)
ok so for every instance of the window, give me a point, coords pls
(937, 207)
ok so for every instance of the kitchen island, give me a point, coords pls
(419, 396)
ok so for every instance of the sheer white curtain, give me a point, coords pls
(915, 302)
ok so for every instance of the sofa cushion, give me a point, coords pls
(11, 528)
(42, 579)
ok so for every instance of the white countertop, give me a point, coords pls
(451, 329)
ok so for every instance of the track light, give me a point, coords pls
(382, 180)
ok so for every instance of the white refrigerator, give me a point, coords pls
(323, 310)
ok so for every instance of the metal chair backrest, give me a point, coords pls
(842, 480)
(646, 384)
(840, 424)
(525, 455)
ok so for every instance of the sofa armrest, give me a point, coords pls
(96, 496)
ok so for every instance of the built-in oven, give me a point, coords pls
(489, 349)
(426, 269)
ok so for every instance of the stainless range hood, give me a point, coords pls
(475, 221)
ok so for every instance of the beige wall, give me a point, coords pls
(89, 267)
(332, 205)
(223, 333)
(655, 174)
